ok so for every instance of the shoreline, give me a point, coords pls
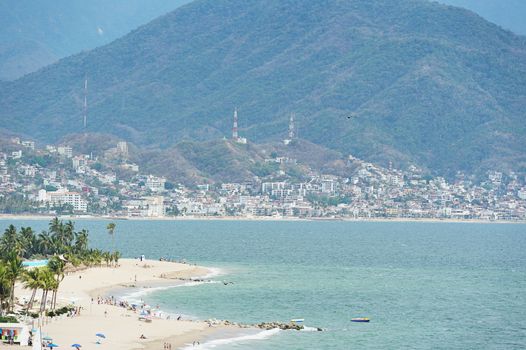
(258, 218)
(122, 326)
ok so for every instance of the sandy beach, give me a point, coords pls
(121, 326)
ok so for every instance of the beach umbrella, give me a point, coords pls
(100, 335)
(47, 337)
(76, 346)
(52, 346)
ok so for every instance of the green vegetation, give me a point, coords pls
(15, 204)
(65, 249)
(8, 319)
(264, 169)
(424, 84)
(326, 201)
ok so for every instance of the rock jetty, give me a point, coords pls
(262, 325)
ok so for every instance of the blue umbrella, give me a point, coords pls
(52, 345)
(100, 335)
(47, 337)
(76, 346)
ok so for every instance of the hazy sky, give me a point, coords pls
(509, 14)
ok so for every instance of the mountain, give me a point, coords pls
(35, 33)
(408, 81)
(509, 14)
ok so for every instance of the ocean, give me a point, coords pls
(423, 285)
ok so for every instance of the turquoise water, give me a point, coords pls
(34, 263)
(424, 285)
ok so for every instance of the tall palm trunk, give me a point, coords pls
(12, 303)
(43, 301)
(32, 300)
(54, 301)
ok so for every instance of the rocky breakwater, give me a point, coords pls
(280, 325)
(263, 325)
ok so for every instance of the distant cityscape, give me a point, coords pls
(57, 180)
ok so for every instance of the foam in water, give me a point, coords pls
(214, 272)
(138, 295)
(212, 344)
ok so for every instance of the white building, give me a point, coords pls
(130, 166)
(78, 162)
(146, 207)
(155, 206)
(155, 184)
(61, 197)
(29, 144)
(16, 154)
(65, 151)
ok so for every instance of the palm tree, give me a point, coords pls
(5, 288)
(107, 258)
(81, 241)
(55, 226)
(27, 238)
(31, 280)
(60, 234)
(111, 230)
(69, 233)
(56, 265)
(56, 245)
(116, 257)
(9, 241)
(14, 270)
(44, 242)
(47, 283)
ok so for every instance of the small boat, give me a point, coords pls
(297, 320)
(360, 319)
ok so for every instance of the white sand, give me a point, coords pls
(120, 326)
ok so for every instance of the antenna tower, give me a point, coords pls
(85, 102)
(292, 131)
(235, 134)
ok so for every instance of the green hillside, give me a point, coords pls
(408, 81)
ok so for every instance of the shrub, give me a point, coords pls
(8, 319)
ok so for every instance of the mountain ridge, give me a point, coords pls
(423, 82)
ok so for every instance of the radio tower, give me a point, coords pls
(235, 135)
(85, 102)
(292, 131)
